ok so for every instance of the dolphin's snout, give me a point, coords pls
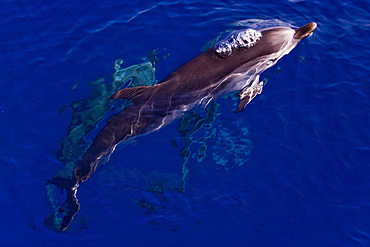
(304, 31)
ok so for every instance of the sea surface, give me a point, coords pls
(292, 169)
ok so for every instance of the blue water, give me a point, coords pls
(302, 180)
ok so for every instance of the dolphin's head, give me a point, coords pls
(263, 46)
(279, 41)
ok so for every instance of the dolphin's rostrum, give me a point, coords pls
(232, 65)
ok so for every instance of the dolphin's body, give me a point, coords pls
(232, 65)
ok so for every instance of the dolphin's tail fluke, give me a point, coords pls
(64, 208)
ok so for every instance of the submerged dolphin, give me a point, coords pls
(232, 65)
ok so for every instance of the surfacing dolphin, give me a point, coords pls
(232, 65)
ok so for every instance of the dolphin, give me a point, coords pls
(232, 65)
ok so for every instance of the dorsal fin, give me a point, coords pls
(133, 94)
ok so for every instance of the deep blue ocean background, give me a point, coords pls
(301, 149)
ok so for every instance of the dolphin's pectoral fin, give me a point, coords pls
(134, 94)
(248, 93)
